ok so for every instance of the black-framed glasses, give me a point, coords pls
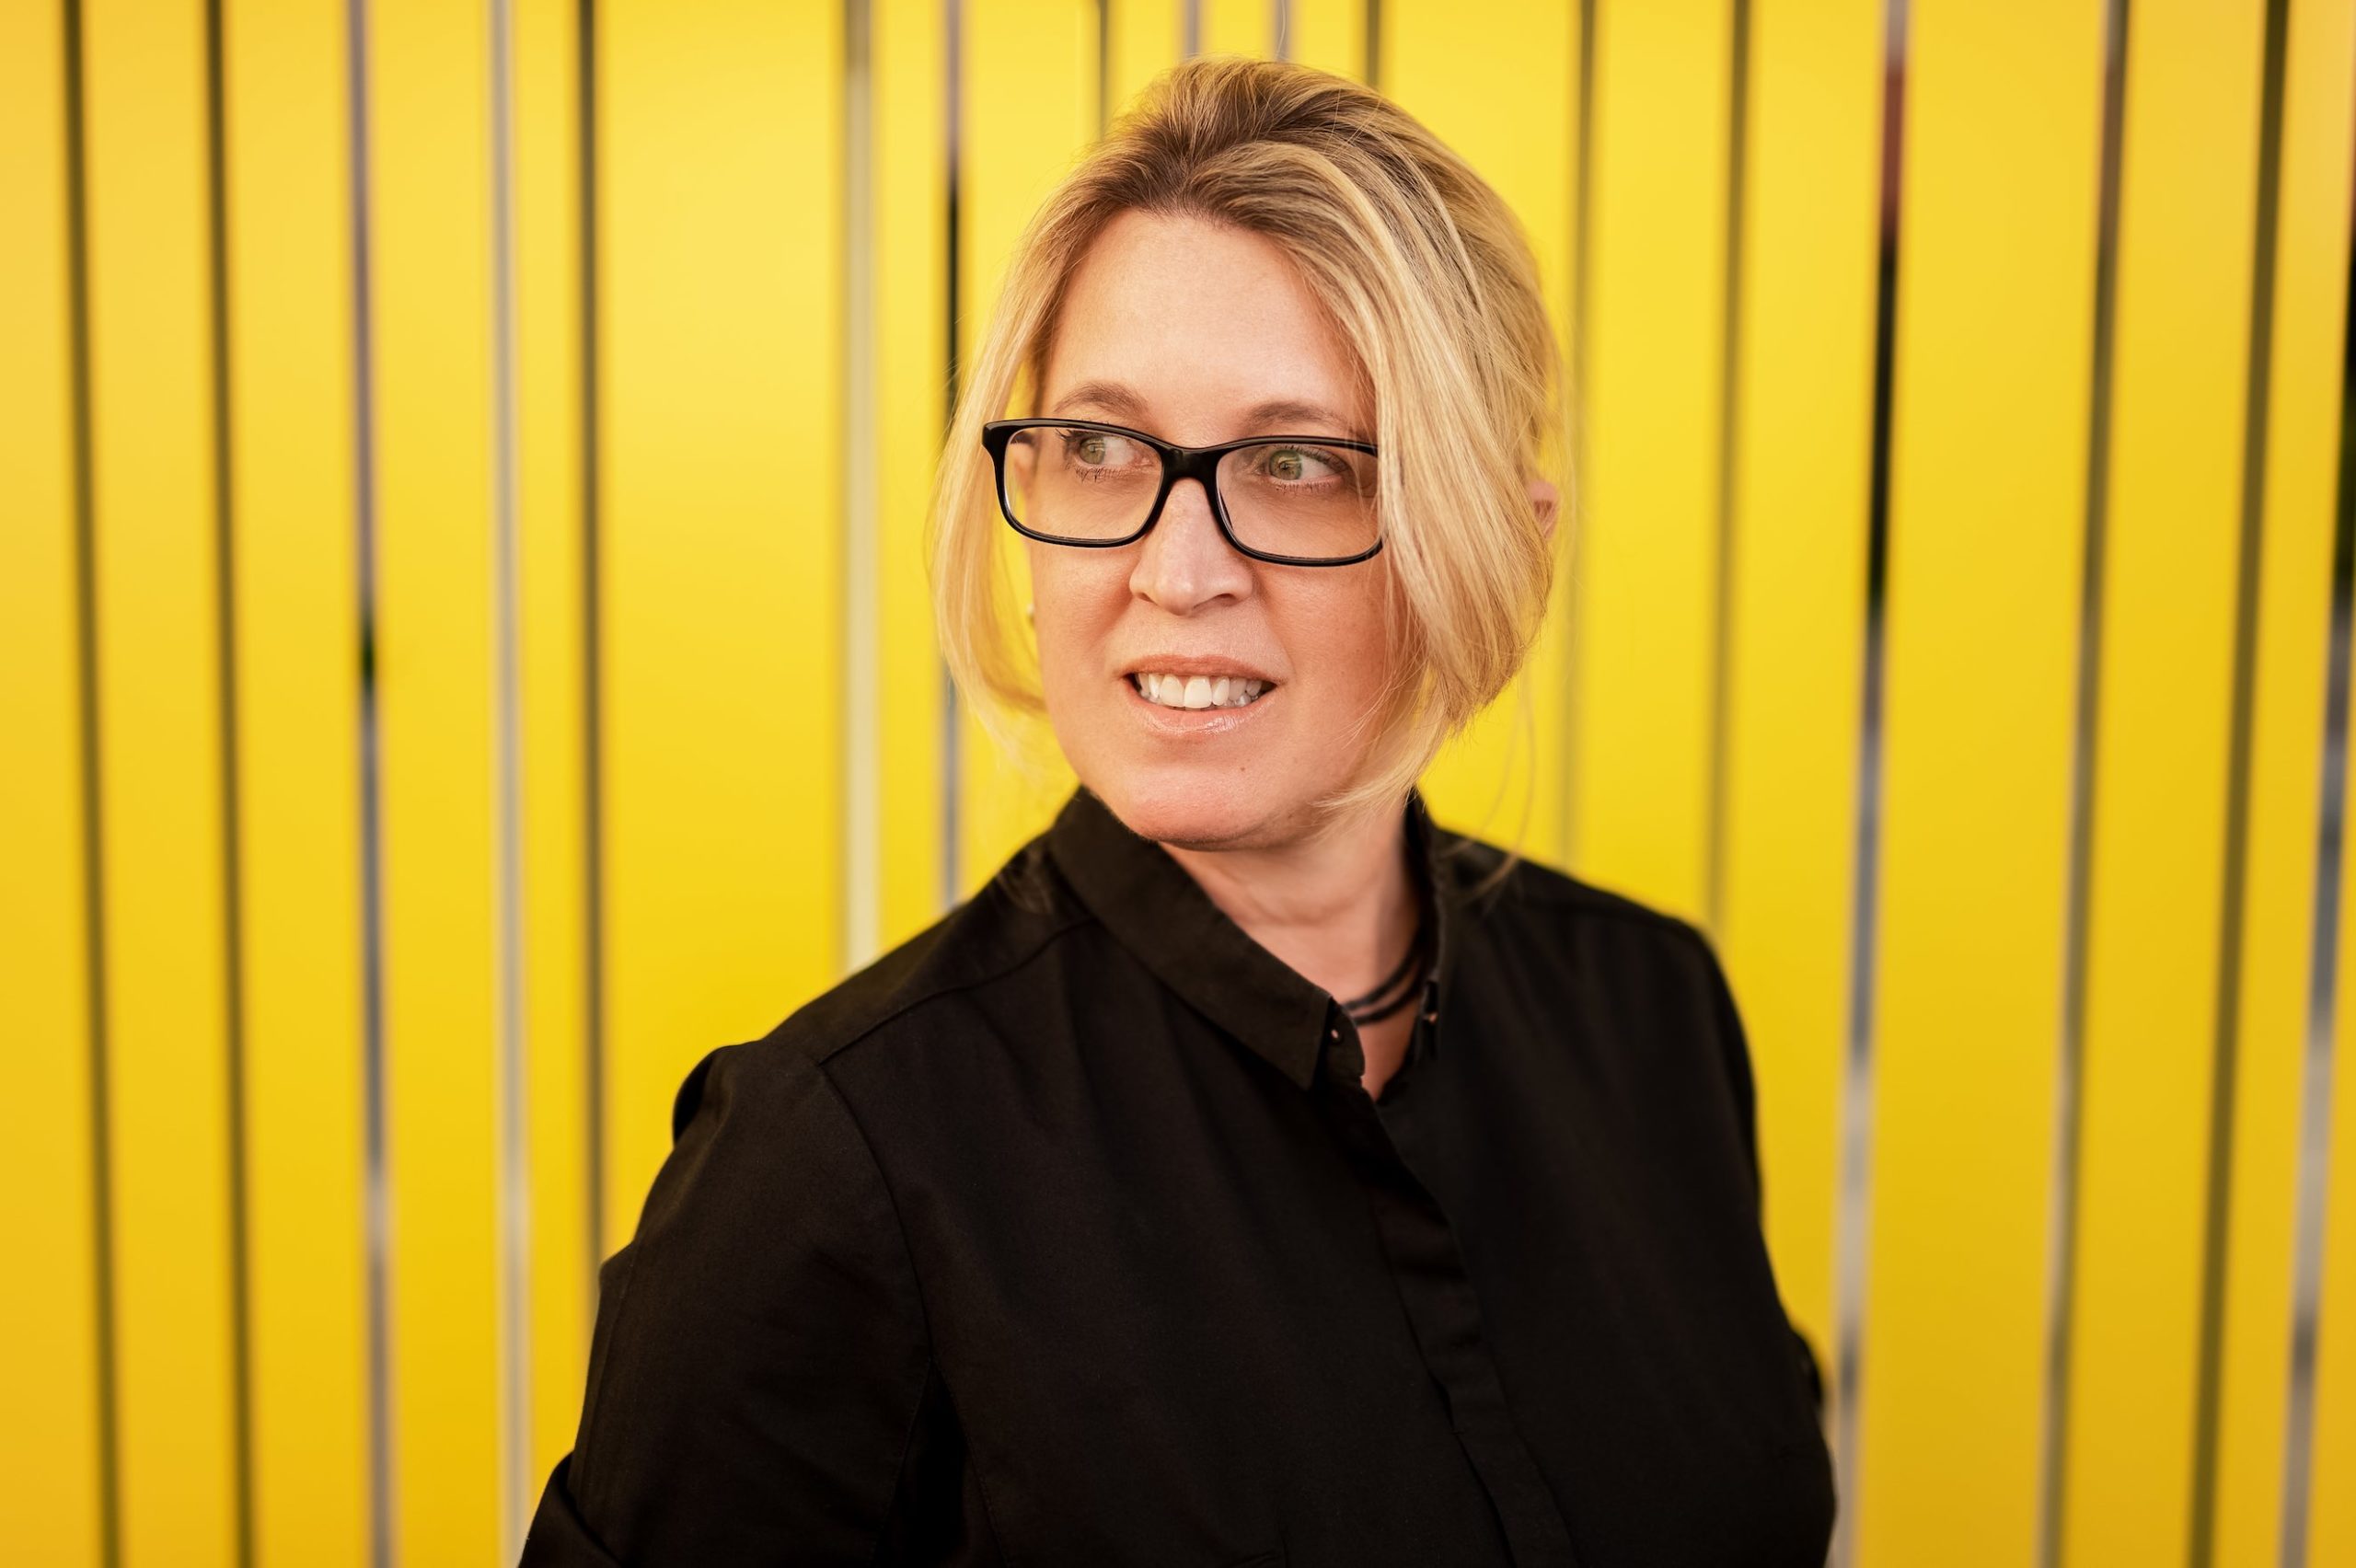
(1292, 499)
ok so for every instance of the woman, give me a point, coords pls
(1255, 1172)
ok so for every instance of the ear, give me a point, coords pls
(1544, 499)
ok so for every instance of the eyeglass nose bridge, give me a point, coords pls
(1200, 464)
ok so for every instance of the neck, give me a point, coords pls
(1339, 907)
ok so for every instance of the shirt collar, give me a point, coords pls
(1155, 908)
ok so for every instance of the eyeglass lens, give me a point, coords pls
(1287, 498)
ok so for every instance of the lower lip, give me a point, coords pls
(1193, 720)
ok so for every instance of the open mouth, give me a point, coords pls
(1198, 691)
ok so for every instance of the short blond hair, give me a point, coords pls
(1423, 270)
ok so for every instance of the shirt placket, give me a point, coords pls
(1428, 1266)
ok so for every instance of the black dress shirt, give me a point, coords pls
(1066, 1234)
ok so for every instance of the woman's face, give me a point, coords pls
(1200, 334)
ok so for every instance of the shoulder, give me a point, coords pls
(1628, 968)
(1628, 958)
(1640, 976)
(1024, 911)
(1530, 895)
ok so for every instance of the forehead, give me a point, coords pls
(1189, 329)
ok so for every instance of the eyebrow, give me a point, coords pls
(1113, 398)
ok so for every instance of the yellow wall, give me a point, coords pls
(464, 654)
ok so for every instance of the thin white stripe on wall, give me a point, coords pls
(516, 1489)
(862, 840)
(375, 1192)
(1854, 1178)
(2316, 1090)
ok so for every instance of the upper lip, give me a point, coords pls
(1212, 666)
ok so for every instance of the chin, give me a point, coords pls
(1188, 807)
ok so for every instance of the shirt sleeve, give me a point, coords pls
(1735, 1045)
(759, 1357)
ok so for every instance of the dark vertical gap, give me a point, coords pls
(593, 642)
(1729, 416)
(1857, 1099)
(1582, 293)
(232, 791)
(1103, 64)
(2061, 1268)
(2217, 1212)
(94, 916)
(2323, 1058)
(1373, 41)
(1190, 28)
(1282, 45)
(1573, 519)
(372, 900)
(953, 118)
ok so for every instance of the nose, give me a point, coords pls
(1187, 562)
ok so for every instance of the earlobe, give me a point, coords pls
(1543, 497)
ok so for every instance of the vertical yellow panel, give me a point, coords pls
(1803, 464)
(430, 173)
(291, 427)
(49, 1350)
(1331, 35)
(549, 538)
(2179, 380)
(720, 444)
(159, 778)
(1504, 95)
(911, 98)
(1239, 27)
(1030, 103)
(1643, 605)
(1986, 508)
(2301, 475)
(1148, 38)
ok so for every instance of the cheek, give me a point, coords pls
(1333, 633)
(1076, 596)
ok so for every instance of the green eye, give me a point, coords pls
(1293, 465)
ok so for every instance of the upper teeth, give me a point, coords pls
(1198, 691)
